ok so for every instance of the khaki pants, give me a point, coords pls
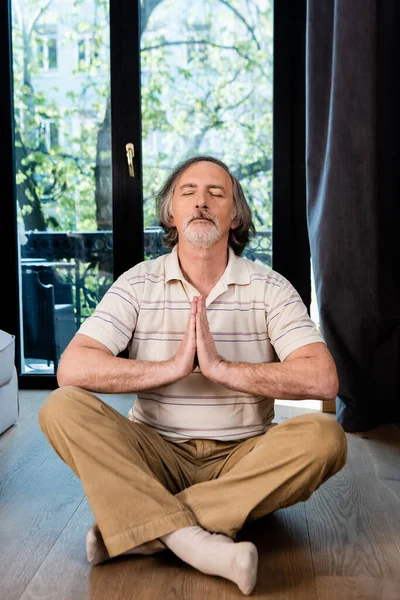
(140, 487)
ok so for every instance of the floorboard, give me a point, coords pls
(23, 448)
(357, 588)
(349, 532)
(380, 449)
(342, 544)
(64, 572)
(31, 522)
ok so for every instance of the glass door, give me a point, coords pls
(207, 88)
(170, 79)
(63, 170)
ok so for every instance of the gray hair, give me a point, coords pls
(238, 237)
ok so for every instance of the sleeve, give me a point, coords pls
(289, 326)
(114, 319)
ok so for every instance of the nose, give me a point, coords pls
(201, 200)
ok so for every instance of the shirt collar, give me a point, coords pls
(172, 268)
(236, 270)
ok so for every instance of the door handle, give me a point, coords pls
(130, 153)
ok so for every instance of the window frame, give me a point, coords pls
(290, 245)
(44, 38)
(84, 38)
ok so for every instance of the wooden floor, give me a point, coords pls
(343, 543)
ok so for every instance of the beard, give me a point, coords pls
(201, 234)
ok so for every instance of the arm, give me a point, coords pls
(89, 364)
(307, 373)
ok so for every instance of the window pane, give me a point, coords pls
(52, 53)
(40, 54)
(63, 178)
(207, 80)
(81, 50)
(53, 135)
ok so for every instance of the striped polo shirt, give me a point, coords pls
(255, 315)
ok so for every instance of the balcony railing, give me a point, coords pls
(85, 259)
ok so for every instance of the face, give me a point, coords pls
(202, 205)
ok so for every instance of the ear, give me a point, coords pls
(234, 224)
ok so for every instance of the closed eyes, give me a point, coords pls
(212, 194)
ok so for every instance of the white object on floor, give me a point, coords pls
(9, 405)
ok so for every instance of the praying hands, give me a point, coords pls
(197, 346)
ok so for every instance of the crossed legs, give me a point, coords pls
(141, 497)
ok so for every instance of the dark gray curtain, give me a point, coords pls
(353, 199)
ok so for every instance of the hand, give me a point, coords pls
(184, 361)
(207, 354)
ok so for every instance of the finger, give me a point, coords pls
(202, 327)
(199, 325)
(199, 303)
(191, 326)
(198, 314)
(203, 315)
(198, 309)
(193, 315)
(192, 330)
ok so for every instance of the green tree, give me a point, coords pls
(220, 102)
(60, 178)
(206, 88)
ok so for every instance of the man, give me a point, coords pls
(212, 339)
